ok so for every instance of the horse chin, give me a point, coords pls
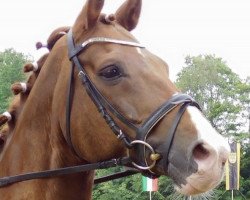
(188, 190)
(197, 185)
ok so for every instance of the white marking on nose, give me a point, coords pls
(206, 132)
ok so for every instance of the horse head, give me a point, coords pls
(135, 88)
(98, 80)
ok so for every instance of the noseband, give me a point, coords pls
(140, 143)
(103, 106)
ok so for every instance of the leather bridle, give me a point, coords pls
(103, 105)
(105, 108)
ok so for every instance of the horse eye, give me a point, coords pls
(111, 72)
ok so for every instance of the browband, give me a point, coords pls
(94, 40)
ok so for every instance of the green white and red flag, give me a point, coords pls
(149, 184)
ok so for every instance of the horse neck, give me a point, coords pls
(38, 144)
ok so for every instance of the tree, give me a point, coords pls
(225, 100)
(223, 96)
(245, 170)
(11, 63)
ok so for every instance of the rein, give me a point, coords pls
(63, 171)
(103, 106)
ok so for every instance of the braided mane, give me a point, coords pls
(21, 90)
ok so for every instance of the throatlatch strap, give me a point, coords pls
(69, 106)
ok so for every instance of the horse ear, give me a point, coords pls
(128, 14)
(89, 14)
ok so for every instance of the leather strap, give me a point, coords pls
(63, 171)
(171, 132)
(86, 80)
(115, 176)
(99, 100)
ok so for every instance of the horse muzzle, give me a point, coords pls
(143, 149)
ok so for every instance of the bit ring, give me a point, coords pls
(152, 152)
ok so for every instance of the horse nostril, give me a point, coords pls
(200, 152)
(1, 141)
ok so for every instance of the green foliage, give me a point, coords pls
(11, 63)
(245, 170)
(124, 188)
(223, 96)
(129, 188)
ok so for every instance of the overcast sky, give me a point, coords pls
(171, 29)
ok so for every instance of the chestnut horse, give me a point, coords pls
(158, 130)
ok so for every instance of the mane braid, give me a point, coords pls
(21, 90)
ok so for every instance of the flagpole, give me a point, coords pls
(150, 195)
(232, 194)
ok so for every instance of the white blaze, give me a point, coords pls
(205, 130)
